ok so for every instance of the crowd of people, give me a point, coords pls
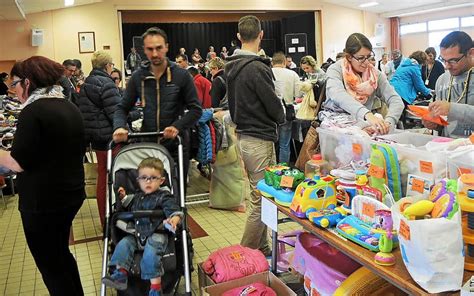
(257, 91)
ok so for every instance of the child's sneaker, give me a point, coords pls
(154, 292)
(117, 280)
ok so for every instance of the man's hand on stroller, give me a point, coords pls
(120, 135)
(170, 132)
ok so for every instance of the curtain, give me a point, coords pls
(395, 32)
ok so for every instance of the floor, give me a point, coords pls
(18, 273)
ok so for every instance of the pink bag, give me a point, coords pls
(255, 289)
(324, 268)
(234, 262)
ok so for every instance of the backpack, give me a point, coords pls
(385, 169)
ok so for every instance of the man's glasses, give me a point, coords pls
(453, 61)
(15, 82)
(362, 59)
(148, 178)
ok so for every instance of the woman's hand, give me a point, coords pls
(174, 221)
(121, 192)
(381, 126)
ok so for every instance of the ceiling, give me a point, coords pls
(16, 9)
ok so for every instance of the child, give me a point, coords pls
(151, 197)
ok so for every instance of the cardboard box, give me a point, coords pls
(266, 278)
(203, 279)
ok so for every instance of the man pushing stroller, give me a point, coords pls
(151, 174)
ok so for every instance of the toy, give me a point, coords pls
(282, 197)
(419, 209)
(445, 206)
(385, 226)
(271, 174)
(359, 227)
(327, 217)
(465, 183)
(364, 189)
(466, 201)
(385, 169)
(316, 194)
(441, 188)
(280, 177)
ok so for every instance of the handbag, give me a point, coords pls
(290, 113)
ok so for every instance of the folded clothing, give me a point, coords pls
(255, 289)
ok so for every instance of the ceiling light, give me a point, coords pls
(68, 2)
(368, 4)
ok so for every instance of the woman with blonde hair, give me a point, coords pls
(311, 70)
(98, 101)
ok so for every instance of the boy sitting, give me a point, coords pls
(151, 197)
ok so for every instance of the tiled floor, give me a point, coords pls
(18, 273)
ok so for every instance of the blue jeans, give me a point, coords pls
(151, 266)
(284, 133)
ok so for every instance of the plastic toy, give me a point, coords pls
(385, 170)
(465, 183)
(364, 189)
(466, 201)
(316, 194)
(327, 217)
(419, 209)
(280, 177)
(272, 173)
(345, 192)
(385, 226)
(441, 188)
(282, 197)
(359, 227)
(445, 206)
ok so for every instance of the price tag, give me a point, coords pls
(426, 167)
(286, 181)
(357, 149)
(463, 171)
(376, 171)
(418, 185)
(404, 230)
(368, 209)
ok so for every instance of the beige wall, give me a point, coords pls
(419, 41)
(61, 26)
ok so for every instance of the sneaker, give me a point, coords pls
(117, 280)
(154, 292)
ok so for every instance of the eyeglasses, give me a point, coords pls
(453, 61)
(15, 82)
(362, 59)
(148, 178)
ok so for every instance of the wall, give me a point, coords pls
(61, 33)
(419, 41)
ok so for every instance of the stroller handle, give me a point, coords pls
(144, 135)
(138, 214)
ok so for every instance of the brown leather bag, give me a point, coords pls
(311, 141)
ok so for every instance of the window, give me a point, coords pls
(451, 23)
(467, 21)
(434, 39)
(412, 28)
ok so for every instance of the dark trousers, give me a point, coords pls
(47, 235)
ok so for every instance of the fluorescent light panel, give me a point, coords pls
(368, 4)
(68, 2)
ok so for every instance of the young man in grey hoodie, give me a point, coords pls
(257, 112)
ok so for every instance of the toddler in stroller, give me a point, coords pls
(147, 233)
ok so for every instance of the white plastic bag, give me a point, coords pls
(432, 250)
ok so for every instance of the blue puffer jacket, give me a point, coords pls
(204, 154)
(407, 81)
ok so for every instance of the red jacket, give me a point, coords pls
(203, 88)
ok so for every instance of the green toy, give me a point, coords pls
(385, 169)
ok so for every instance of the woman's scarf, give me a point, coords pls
(54, 91)
(359, 87)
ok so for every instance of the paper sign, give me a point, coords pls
(269, 214)
(286, 181)
(463, 171)
(368, 209)
(300, 48)
(357, 149)
(404, 230)
(376, 171)
(426, 167)
(291, 49)
(295, 41)
(418, 185)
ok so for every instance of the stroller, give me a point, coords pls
(122, 173)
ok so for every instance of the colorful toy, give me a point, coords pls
(359, 227)
(419, 209)
(272, 173)
(280, 177)
(282, 197)
(465, 183)
(441, 188)
(364, 189)
(445, 206)
(385, 226)
(316, 194)
(466, 202)
(327, 217)
(385, 169)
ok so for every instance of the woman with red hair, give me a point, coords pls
(47, 155)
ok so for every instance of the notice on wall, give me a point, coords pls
(295, 41)
(300, 48)
(270, 214)
(291, 49)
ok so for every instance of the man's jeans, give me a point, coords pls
(151, 266)
(256, 155)
(284, 140)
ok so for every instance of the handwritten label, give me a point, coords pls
(404, 230)
(376, 171)
(464, 171)
(426, 167)
(286, 181)
(357, 149)
(418, 185)
(368, 209)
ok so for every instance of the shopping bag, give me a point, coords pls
(90, 173)
(310, 146)
(432, 250)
